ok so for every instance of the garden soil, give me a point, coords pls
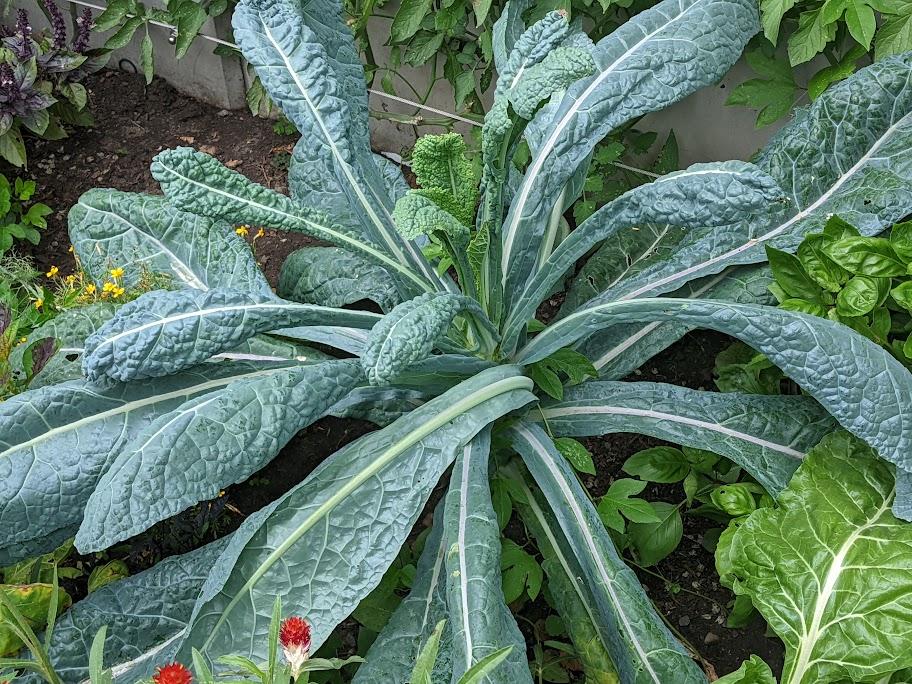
(134, 122)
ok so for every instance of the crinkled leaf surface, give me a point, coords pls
(845, 155)
(128, 230)
(408, 333)
(830, 567)
(392, 655)
(311, 175)
(642, 648)
(163, 332)
(654, 59)
(206, 444)
(198, 183)
(304, 549)
(560, 67)
(817, 353)
(481, 623)
(144, 614)
(704, 194)
(55, 442)
(292, 64)
(417, 214)
(445, 173)
(332, 276)
(765, 435)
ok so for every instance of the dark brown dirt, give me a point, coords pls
(134, 123)
(698, 609)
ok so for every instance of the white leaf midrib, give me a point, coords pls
(810, 636)
(460, 545)
(342, 163)
(183, 271)
(781, 228)
(674, 418)
(509, 233)
(333, 235)
(620, 609)
(137, 404)
(396, 448)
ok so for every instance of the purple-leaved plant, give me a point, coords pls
(84, 25)
(21, 42)
(58, 26)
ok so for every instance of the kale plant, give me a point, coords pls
(186, 391)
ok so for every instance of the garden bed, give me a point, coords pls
(134, 123)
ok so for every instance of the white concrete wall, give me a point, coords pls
(706, 130)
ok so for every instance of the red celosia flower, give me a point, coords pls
(294, 635)
(174, 673)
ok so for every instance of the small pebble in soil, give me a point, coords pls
(683, 621)
(710, 638)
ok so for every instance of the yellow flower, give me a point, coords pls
(23, 340)
(117, 272)
(39, 303)
(108, 287)
(242, 230)
(260, 233)
(70, 279)
(117, 291)
(70, 250)
(90, 289)
(54, 271)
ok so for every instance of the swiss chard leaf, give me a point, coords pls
(829, 568)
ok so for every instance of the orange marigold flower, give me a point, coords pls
(173, 673)
(294, 635)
